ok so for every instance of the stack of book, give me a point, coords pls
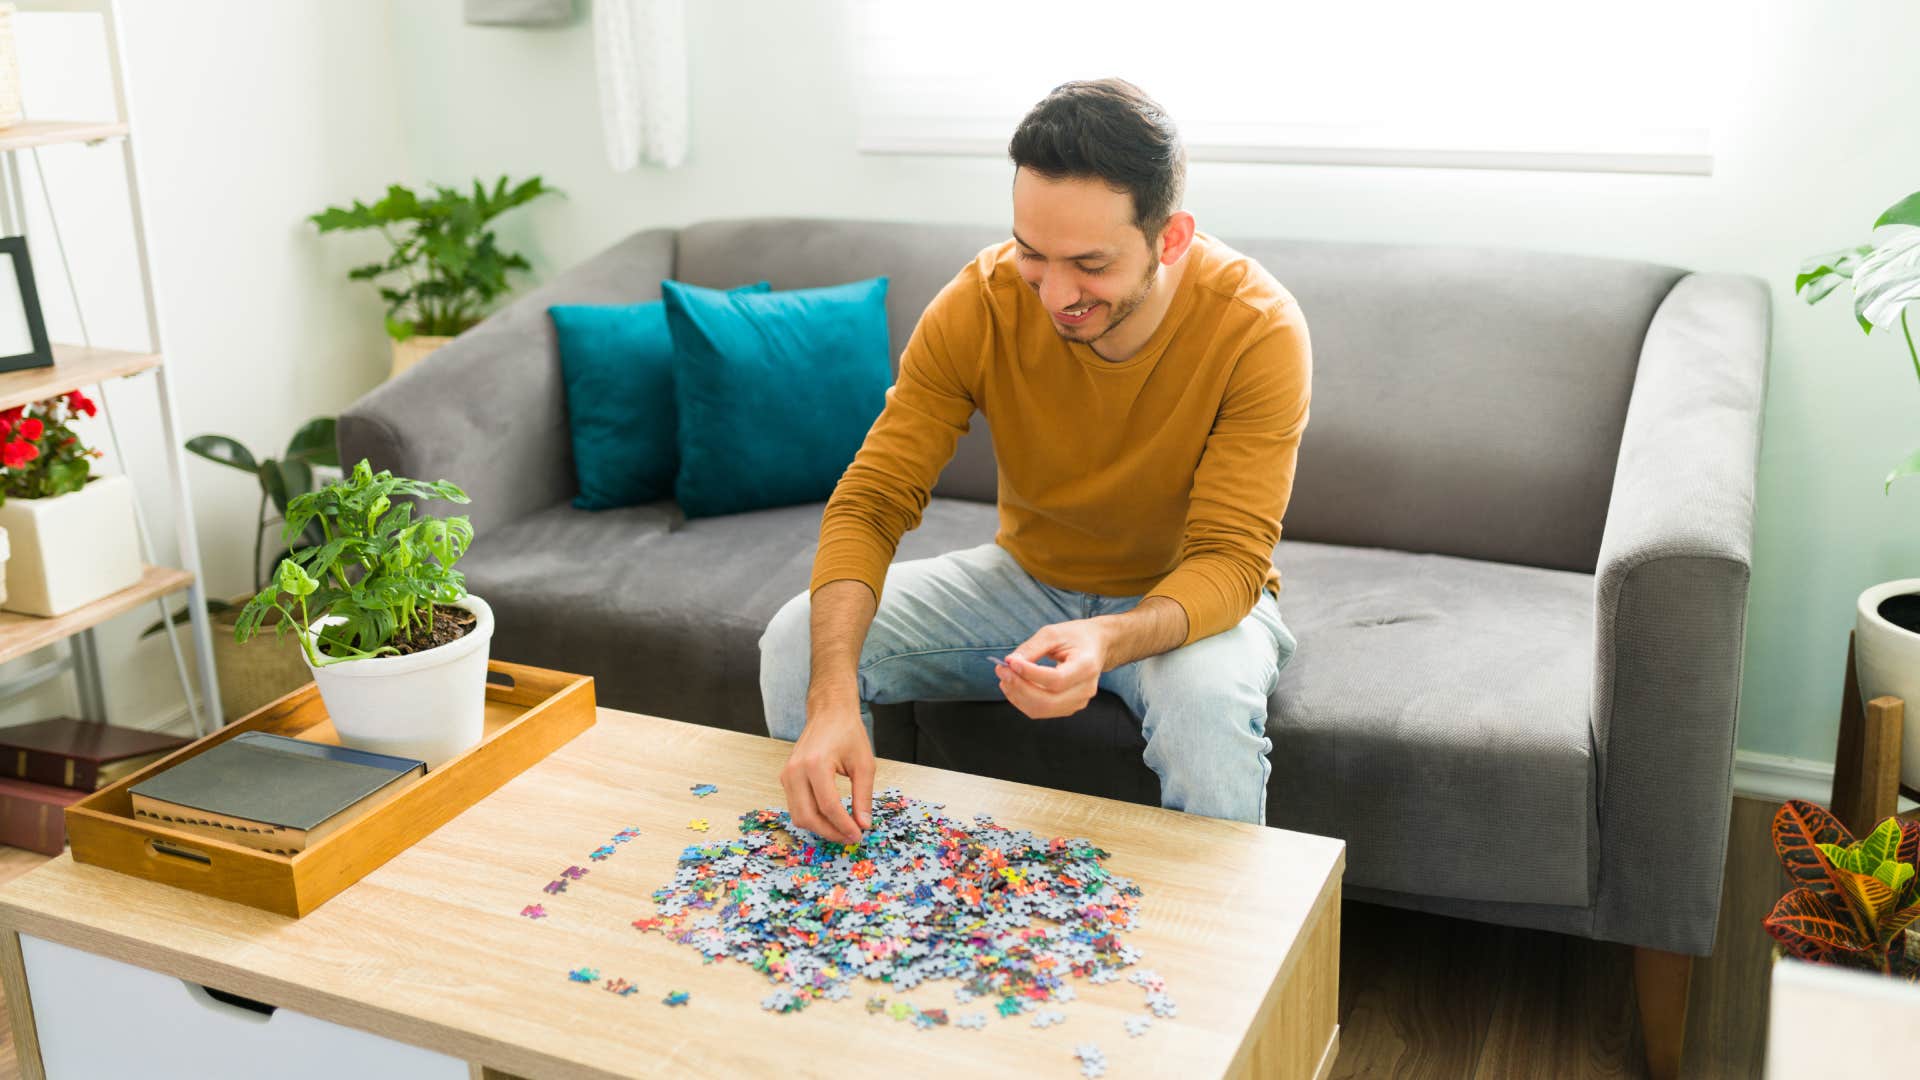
(272, 793)
(49, 765)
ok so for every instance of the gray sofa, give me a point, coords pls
(1516, 558)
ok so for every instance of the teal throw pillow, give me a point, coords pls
(617, 363)
(775, 391)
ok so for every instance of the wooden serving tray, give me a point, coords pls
(530, 713)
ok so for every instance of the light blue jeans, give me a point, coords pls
(1202, 707)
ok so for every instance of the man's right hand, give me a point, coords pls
(834, 743)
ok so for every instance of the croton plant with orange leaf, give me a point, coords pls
(1853, 900)
(40, 453)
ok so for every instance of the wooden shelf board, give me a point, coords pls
(53, 132)
(73, 367)
(21, 634)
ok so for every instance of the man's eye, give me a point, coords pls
(1025, 255)
(1094, 269)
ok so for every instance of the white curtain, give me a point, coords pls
(640, 51)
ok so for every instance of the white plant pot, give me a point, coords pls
(5, 552)
(1887, 660)
(70, 550)
(429, 705)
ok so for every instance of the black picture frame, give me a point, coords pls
(41, 355)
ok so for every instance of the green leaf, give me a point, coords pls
(315, 443)
(292, 579)
(1907, 467)
(223, 451)
(1888, 279)
(1881, 844)
(274, 483)
(399, 329)
(1904, 212)
(1825, 272)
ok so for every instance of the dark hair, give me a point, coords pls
(1111, 130)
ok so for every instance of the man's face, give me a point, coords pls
(1080, 251)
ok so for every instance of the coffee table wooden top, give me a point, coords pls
(431, 948)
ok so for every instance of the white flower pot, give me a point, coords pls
(1886, 658)
(70, 550)
(429, 705)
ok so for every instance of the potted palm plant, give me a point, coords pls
(383, 619)
(70, 531)
(448, 263)
(1885, 274)
(250, 678)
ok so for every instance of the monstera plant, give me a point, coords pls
(1886, 279)
(1853, 901)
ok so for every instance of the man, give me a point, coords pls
(1147, 387)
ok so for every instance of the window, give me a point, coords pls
(1623, 87)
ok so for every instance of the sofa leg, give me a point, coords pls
(1660, 981)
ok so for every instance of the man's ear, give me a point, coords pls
(1175, 237)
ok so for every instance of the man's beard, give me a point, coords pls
(1121, 310)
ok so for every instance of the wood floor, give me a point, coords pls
(1425, 996)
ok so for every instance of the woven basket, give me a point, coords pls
(9, 70)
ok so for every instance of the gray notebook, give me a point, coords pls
(259, 777)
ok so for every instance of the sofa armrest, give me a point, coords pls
(489, 410)
(1670, 601)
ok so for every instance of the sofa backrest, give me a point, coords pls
(1466, 401)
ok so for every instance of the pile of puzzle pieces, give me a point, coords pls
(1007, 914)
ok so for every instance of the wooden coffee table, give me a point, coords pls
(431, 950)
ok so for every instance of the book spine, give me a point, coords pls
(32, 824)
(60, 770)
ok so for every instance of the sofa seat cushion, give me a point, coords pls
(666, 613)
(1434, 716)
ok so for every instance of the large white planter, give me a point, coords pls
(70, 550)
(1887, 660)
(429, 705)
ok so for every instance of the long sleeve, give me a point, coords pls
(885, 490)
(1243, 482)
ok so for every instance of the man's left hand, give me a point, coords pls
(1079, 651)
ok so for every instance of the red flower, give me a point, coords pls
(12, 416)
(80, 403)
(31, 429)
(16, 453)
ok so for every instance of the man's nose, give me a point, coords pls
(1056, 291)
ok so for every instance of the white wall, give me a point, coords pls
(1811, 146)
(247, 117)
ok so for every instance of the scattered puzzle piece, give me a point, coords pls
(674, 997)
(701, 791)
(1136, 1025)
(584, 975)
(1049, 1018)
(698, 824)
(534, 911)
(1093, 1060)
(557, 886)
(972, 1021)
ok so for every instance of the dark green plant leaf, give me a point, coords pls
(316, 443)
(222, 451)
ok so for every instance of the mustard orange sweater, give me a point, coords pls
(1165, 474)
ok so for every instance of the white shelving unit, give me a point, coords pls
(77, 366)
